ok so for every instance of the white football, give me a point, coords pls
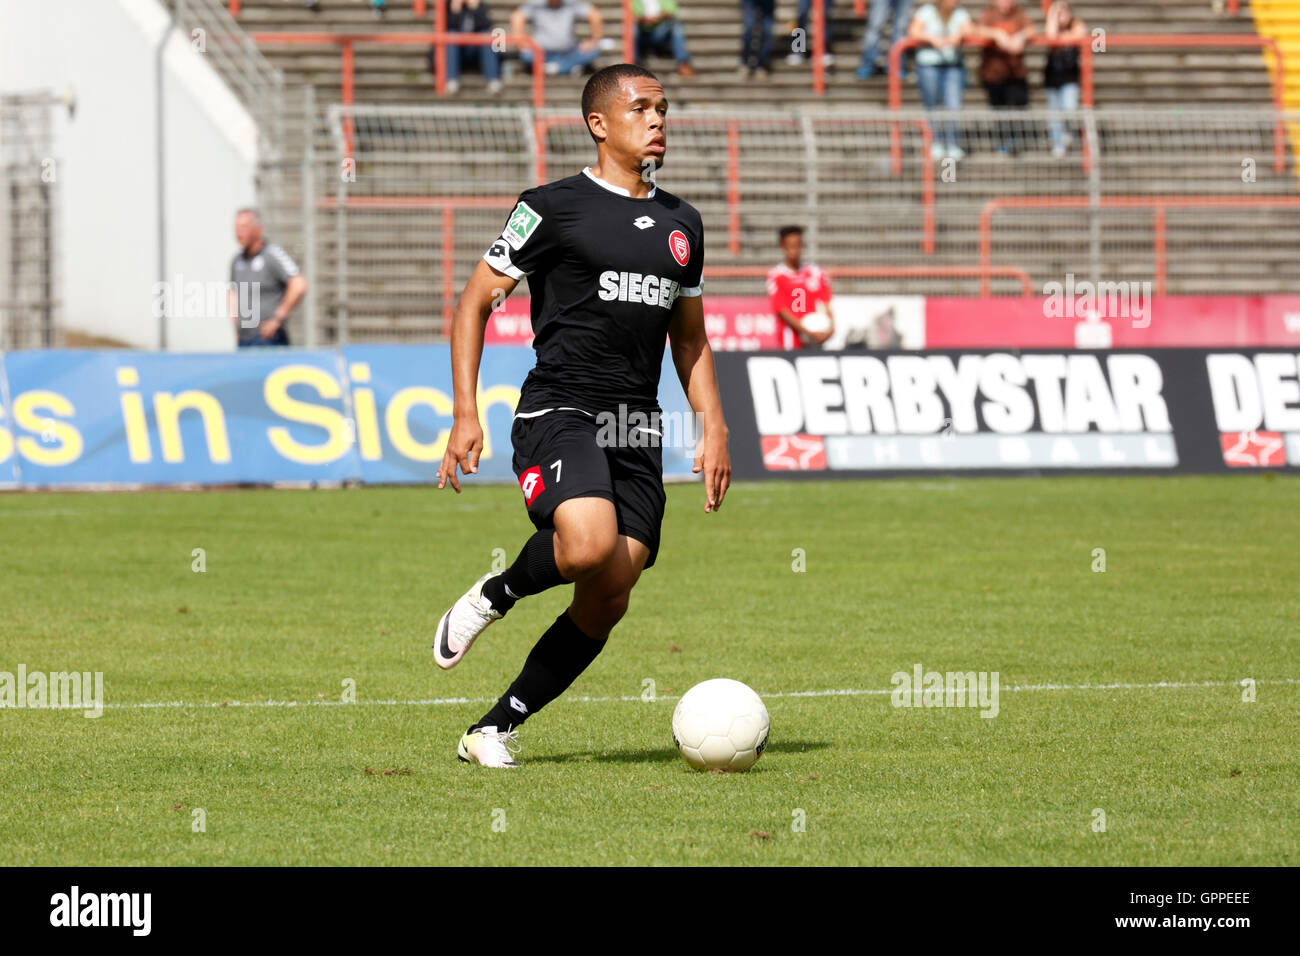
(720, 724)
(817, 322)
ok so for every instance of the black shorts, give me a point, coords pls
(557, 457)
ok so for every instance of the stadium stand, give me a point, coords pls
(1127, 77)
(433, 177)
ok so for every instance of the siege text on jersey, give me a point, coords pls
(603, 270)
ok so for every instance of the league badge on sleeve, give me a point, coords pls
(523, 223)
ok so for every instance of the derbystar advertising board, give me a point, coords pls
(1154, 411)
(365, 413)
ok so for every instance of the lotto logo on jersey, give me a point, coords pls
(532, 485)
(680, 246)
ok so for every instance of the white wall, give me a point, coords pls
(108, 172)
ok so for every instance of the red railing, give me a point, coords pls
(542, 125)
(1084, 44)
(983, 273)
(1233, 7)
(348, 41)
(417, 6)
(819, 46)
(449, 205)
(1158, 204)
(629, 40)
(896, 85)
(1158, 40)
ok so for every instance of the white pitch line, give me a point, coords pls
(852, 692)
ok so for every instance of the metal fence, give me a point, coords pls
(260, 87)
(29, 211)
(236, 58)
(388, 208)
(407, 198)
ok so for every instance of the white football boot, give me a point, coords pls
(489, 747)
(461, 626)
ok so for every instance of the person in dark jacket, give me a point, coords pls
(469, 16)
(1061, 75)
(1002, 65)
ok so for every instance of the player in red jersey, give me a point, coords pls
(800, 295)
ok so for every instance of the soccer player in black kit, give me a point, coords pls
(614, 266)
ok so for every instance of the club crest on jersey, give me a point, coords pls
(522, 223)
(681, 248)
(532, 485)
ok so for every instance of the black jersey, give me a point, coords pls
(604, 270)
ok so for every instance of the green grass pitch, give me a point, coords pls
(306, 590)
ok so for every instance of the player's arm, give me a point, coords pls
(232, 305)
(693, 357)
(597, 28)
(518, 22)
(293, 293)
(486, 289)
(916, 31)
(232, 301)
(1022, 36)
(792, 320)
(830, 315)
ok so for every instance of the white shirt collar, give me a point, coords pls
(615, 189)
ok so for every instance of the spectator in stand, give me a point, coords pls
(800, 295)
(1061, 75)
(877, 15)
(1002, 66)
(265, 285)
(469, 16)
(803, 24)
(756, 18)
(554, 28)
(659, 29)
(940, 70)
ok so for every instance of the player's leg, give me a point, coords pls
(600, 595)
(605, 545)
(559, 465)
(567, 649)
(580, 542)
(601, 600)
(604, 568)
(606, 565)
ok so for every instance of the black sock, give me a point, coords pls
(533, 572)
(553, 664)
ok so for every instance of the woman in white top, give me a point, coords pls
(940, 70)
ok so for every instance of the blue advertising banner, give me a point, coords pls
(369, 413)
